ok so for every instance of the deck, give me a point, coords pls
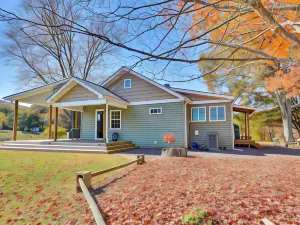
(249, 143)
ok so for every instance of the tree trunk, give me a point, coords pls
(286, 115)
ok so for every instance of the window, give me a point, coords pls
(155, 111)
(198, 114)
(217, 113)
(115, 119)
(127, 83)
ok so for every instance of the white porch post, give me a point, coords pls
(106, 122)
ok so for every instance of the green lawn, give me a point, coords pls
(40, 187)
(7, 134)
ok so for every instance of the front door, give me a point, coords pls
(99, 124)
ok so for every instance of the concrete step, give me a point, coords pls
(53, 150)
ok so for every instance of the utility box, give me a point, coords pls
(213, 140)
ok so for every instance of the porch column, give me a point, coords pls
(246, 135)
(106, 122)
(50, 123)
(248, 126)
(56, 124)
(76, 120)
(15, 128)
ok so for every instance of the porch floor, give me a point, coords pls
(68, 145)
(248, 143)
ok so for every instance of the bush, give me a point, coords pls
(197, 216)
(61, 132)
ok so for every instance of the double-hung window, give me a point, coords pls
(198, 114)
(153, 111)
(115, 119)
(217, 113)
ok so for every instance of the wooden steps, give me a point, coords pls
(250, 143)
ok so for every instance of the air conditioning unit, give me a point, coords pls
(213, 141)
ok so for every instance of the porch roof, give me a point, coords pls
(245, 109)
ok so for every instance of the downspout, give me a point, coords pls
(232, 125)
(185, 126)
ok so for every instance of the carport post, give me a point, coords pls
(15, 128)
(50, 123)
(56, 124)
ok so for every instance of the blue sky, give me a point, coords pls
(9, 81)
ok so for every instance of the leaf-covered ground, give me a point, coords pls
(233, 190)
(39, 187)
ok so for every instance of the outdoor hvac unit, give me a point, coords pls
(213, 140)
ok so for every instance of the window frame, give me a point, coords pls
(161, 111)
(198, 121)
(217, 111)
(110, 119)
(125, 83)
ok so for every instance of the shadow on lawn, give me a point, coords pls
(268, 150)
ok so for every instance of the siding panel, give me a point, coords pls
(140, 90)
(224, 128)
(144, 129)
(78, 93)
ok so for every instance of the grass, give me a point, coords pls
(40, 187)
(7, 134)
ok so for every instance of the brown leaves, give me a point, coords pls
(234, 191)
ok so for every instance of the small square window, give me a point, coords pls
(127, 83)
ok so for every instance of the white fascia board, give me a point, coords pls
(33, 91)
(117, 104)
(209, 101)
(77, 109)
(80, 103)
(69, 83)
(181, 97)
(155, 102)
(203, 93)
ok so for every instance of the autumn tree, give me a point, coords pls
(174, 34)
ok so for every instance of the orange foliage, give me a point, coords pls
(289, 82)
(250, 30)
(169, 138)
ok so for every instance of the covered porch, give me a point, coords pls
(77, 96)
(244, 138)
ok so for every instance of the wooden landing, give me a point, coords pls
(249, 143)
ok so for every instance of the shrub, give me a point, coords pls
(197, 216)
(169, 138)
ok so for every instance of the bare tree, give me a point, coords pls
(46, 53)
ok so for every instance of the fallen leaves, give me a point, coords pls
(234, 191)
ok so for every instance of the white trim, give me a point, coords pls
(198, 121)
(125, 83)
(80, 103)
(76, 110)
(217, 106)
(67, 84)
(115, 110)
(106, 121)
(96, 119)
(155, 102)
(203, 93)
(32, 91)
(161, 112)
(181, 97)
(209, 101)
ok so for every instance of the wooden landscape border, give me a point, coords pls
(84, 183)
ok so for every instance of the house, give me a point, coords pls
(138, 110)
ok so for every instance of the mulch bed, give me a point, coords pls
(233, 190)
